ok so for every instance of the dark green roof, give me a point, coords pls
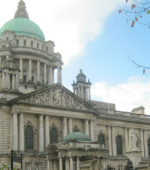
(77, 136)
(23, 26)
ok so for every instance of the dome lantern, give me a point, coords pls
(21, 11)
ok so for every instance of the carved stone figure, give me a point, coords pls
(133, 140)
(56, 97)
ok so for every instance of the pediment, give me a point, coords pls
(55, 96)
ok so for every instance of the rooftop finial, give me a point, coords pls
(21, 11)
(80, 70)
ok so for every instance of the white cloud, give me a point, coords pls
(134, 93)
(71, 24)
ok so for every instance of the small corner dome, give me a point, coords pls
(77, 136)
(23, 26)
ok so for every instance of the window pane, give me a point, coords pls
(53, 136)
(119, 145)
(28, 137)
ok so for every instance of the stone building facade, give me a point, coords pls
(54, 128)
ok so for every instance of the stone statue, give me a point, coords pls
(133, 140)
(129, 165)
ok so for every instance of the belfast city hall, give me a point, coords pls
(52, 127)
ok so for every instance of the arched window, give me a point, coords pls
(119, 145)
(4, 47)
(101, 139)
(28, 137)
(148, 143)
(53, 136)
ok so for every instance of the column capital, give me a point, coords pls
(15, 112)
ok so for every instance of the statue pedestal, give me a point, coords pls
(134, 156)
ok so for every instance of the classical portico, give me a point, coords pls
(75, 148)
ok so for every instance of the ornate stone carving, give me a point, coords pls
(75, 129)
(56, 96)
(133, 140)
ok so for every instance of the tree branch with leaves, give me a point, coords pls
(137, 11)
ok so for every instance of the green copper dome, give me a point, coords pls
(23, 26)
(77, 136)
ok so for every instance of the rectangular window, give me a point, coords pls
(37, 167)
(31, 43)
(32, 79)
(25, 42)
(37, 45)
(17, 42)
(26, 87)
(43, 81)
(24, 79)
(46, 48)
(27, 166)
(7, 38)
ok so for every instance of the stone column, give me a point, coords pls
(8, 81)
(78, 163)
(109, 141)
(79, 91)
(70, 125)
(51, 164)
(15, 132)
(55, 165)
(142, 143)
(126, 139)
(47, 142)
(38, 71)
(51, 78)
(16, 83)
(48, 165)
(86, 94)
(59, 75)
(3, 82)
(41, 134)
(91, 130)
(21, 141)
(86, 127)
(71, 163)
(30, 70)
(13, 82)
(21, 76)
(67, 165)
(60, 163)
(64, 126)
(114, 141)
(89, 93)
(145, 144)
(45, 71)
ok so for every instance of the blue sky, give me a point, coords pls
(91, 35)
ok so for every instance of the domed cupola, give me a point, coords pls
(82, 87)
(21, 25)
(77, 136)
(81, 77)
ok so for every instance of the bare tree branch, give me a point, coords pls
(138, 64)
